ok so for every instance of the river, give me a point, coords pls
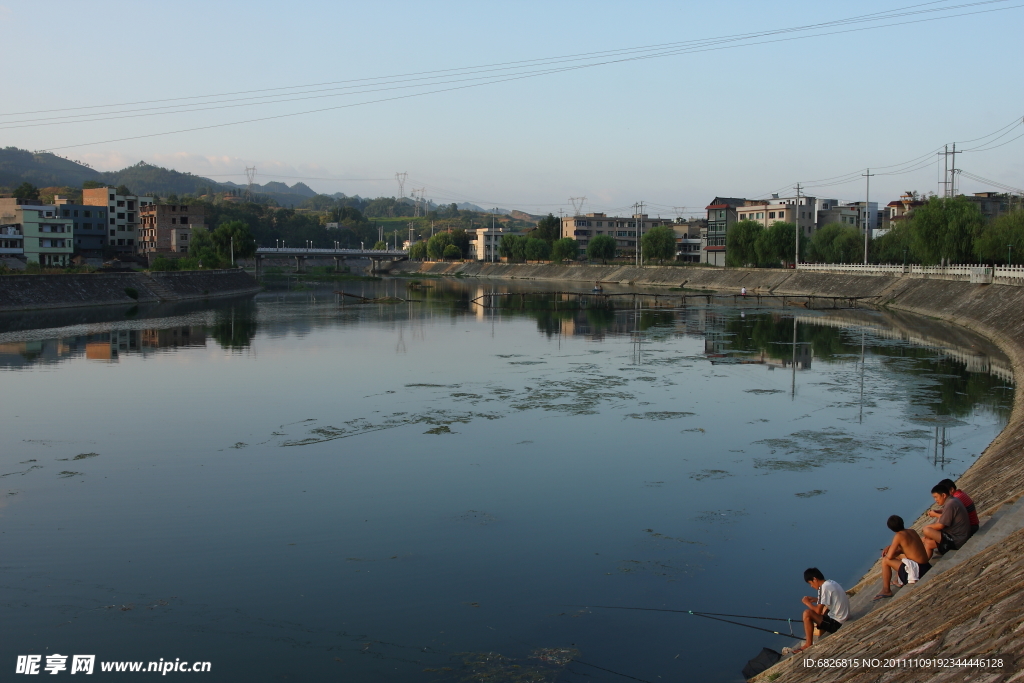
(305, 486)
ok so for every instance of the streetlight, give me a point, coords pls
(904, 258)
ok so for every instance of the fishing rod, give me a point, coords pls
(688, 611)
(716, 616)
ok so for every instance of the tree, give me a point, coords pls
(234, 238)
(92, 184)
(945, 228)
(548, 229)
(536, 250)
(659, 243)
(122, 190)
(894, 246)
(436, 245)
(418, 251)
(776, 245)
(26, 191)
(511, 247)
(836, 243)
(741, 241)
(452, 252)
(601, 248)
(565, 249)
(1003, 240)
(380, 246)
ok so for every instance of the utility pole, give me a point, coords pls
(639, 218)
(796, 256)
(867, 213)
(952, 174)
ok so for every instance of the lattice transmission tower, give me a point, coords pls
(577, 205)
(400, 177)
(250, 173)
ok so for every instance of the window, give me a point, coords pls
(67, 213)
(174, 208)
(131, 218)
(174, 221)
(111, 221)
(771, 214)
(185, 208)
(131, 242)
(111, 233)
(120, 227)
(131, 204)
(120, 203)
(111, 197)
(87, 214)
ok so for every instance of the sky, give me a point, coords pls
(671, 131)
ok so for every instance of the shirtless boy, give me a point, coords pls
(905, 544)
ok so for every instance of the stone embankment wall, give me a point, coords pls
(975, 609)
(28, 292)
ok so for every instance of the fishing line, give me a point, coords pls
(633, 678)
(716, 616)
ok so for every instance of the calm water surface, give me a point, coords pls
(297, 490)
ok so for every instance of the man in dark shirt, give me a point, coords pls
(972, 512)
(953, 527)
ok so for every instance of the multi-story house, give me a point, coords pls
(167, 228)
(47, 239)
(89, 224)
(798, 210)
(122, 215)
(484, 242)
(623, 230)
(722, 213)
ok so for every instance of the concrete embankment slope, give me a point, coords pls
(974, 609)
(29, 292)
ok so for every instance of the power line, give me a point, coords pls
(874, 16)
(701, 46)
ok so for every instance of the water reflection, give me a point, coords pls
(448, 476)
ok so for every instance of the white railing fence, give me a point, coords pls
(974, 272)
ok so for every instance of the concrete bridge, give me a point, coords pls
(376, 256)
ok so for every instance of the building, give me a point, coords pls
(89, 224)
(623, 230)
(992, 204)
(122, 215)
(846, 215)
(688, 239)
(799, 210)
(484, 242)
(722, 213)
(167, 228)
(12, 242)
(897, 211)
(47, 239)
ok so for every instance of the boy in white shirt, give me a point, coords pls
(827, 612)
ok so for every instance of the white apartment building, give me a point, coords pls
(484, 242)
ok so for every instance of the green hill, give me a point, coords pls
(45, 169)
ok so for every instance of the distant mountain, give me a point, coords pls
(19, 166)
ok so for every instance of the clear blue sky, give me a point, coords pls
(673, 131)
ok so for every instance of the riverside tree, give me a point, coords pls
(601, 248)
(418, 251)
(776, 245)
(741, 243)
(536, 250)
(1003, 240)
(452, 253)
(548, 229)
(659, 243)
(436, 245)
(836, 243)
(945, 229)
(565, 249)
